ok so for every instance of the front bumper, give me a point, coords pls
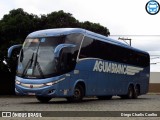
(43, 91)
(37, 87)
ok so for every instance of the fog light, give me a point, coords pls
(51, 91)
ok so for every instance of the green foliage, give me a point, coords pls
(16, 25)
(95, 28)
(60, 20)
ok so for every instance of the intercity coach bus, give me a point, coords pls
(74, 63)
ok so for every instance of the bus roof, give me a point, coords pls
(66, 31)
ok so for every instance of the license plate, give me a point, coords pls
(31, 94)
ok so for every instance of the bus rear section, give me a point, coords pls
(114, 68)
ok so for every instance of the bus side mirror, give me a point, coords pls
(13, 53)
(60, 47)
(14, 50)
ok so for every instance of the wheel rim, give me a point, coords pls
(77, 93)
(137, 91)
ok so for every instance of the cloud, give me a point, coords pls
(5, 7)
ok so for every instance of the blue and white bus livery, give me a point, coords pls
(73, 63)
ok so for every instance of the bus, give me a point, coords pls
(73, 63)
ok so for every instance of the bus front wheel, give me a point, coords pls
(43, 99)
(78, 94)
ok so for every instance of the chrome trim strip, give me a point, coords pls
(33, 85)
(90, 59)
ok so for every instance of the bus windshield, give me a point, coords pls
(37, 58)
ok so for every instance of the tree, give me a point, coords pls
(61, 19)
(15, 26)
(95, 27)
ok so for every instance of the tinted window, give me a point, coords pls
(38, 59)
(69, 55)
(92, 48)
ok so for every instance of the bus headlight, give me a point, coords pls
(49, 84)
(17, 82)
(55, 82)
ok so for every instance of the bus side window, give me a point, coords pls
(87, 48)
(67, 60)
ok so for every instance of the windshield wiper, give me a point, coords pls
(36, 63)
(29, 64)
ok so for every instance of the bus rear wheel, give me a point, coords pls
(136, 92)
(78, 94)
(104, 97)
(43, 99)
(129, 93)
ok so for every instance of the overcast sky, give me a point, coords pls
(121, 17)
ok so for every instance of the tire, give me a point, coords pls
(78, 94)
(136, 92)
(43, 99)
(104, 97)
(129, 93)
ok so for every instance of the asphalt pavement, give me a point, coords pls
(149, 102)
